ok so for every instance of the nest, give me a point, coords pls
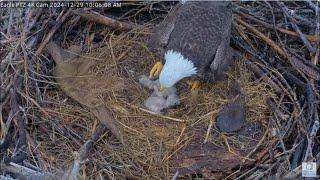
(59, 131)
(154, 140)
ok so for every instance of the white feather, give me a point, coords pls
(175, 68)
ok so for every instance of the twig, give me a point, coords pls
(296, 156)
(280, 138)
(51, 33)
(296, 28)
(296, 173)
(258, 145)
(261, 154)
(162, 116)
(312, 135)
(98, 18)
(289, 76)
(312, 38)
(301, 67)
(314, 73)
(246, 173)
(20, 151)
(10, 22)
(5, 142)
(261, 175)
(313, 6)
(82, 154)
(263, 75)
(271, 43)
(22, 172)
(36, 151)
(208, 131)
(176, 175)
(275, 109)
(311, 104)
(317, 33)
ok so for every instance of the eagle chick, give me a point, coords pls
(159, 100)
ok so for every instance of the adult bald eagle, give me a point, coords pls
(194, 40)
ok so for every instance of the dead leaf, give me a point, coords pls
(73, 74)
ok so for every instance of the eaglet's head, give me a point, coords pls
(176, 67)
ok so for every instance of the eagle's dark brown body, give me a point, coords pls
(200, 31)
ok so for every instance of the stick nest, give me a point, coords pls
(280, 89)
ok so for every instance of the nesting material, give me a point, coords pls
(159, 101)
(156, 146)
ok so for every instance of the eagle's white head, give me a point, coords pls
(175, 68)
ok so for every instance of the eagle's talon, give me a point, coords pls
(156, 69)
(194, 84)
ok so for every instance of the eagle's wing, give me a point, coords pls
(221, 61)
(222, 58)
(161, 34)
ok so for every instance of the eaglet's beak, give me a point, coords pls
(162, 88)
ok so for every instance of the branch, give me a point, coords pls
(312, 38)
(21, 172)
(258, 72)
(98, 18)
(296, 28)
(51, 33)
(19, 153)
(313, 6)
(82, 155)
(312, 72)
(271, 43)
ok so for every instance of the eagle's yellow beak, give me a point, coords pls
(162, 88)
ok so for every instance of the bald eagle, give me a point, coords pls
(194, 40)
